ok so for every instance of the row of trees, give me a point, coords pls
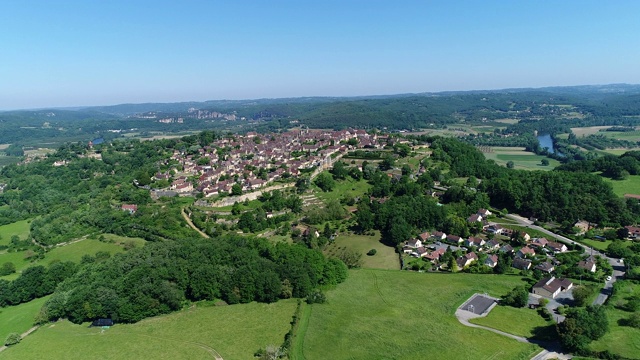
(35, 282)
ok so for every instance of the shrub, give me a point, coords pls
(316, 297)
(12, 339)
(372, 252)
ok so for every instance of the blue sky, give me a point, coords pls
(91, 52)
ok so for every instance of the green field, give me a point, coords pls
(622, 135)
(385, 257)
(19, 228)
(617, 152)
(630, 185)
(621, 340)
(235, 332)
(521, 159)
(349, 186)
(501, 317)
(382, 314)
(19, 318)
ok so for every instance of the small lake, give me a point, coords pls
(546, 142)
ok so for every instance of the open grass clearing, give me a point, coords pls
(630, 185)
(621, 340)
(502, 318)
(235, 332)
(385, 257)
(19, 228)
(347, 187)
(507, 121)
(521, 158)
(618, 152)
(589, 130)
(382, 314)
(623, 135)
(19, 318)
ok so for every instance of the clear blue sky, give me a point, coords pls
(93, 52)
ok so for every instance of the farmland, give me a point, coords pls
(521, 159)
(400, 314)
(385, 257)
(630, 185)
(235, 332)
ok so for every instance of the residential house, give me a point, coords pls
(494, 229)
(492, 245)
(484, 213)
(131, 208)
(414, 243)
(521, 264)
(474, 241)
(466, 260)
(557, 247)
(424, 236)
(582, 225)
(539, 242)
(634, 232)
(551, 287)
(588, 264)
(435, 255)
(454, 239)
(420, 252)
(491, 261)
(545, 267)
(474, 218)
(438, 236)
(506, 249)
(524, 251)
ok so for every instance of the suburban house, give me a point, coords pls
(539, 242)
(545, 267)
(506, 249)
(420, 252)
(438, 236)
(484, 213)
(474, 241)
(491, 261)
(131, 208)
(454, 239)
(466, 260)
(524, 251)
(634, 232)
(557, 247)
(521, 264)
(492, 245)
(414, 243)
(434, 255)
(494, 229)
(551, 287)
(588, 264)
(474, 218)
(424, 236)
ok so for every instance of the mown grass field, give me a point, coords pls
(19, 228)
(347, 187)
(589, 130)
(623, 135)
(621, 340)
(236, 332)
(385, 257)
(19, 318)
(382, 314)
(630, 185)
(522, 159)
(502, 318)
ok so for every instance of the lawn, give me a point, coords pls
(502, 318)
(20, 228)
(522, 159)
(621, 340)
(19, 318)
(235, 332)
(385, 257)
(383, 314)
(630, 185)
(349, 186)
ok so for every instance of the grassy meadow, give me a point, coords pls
(19, 318)
(630, 185)
(381, 314)
(385, 257)
(522, 159)
(347, 187)
(19, 228)
(235, 332)
(501, 318)
(621, 340)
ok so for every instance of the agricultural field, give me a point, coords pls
(522, 159)
(630, 185)
(19, 318)
(385, 257)
(623, 135)
(589, 130)
(617, 152)
(529, 323)
(18, 228)
(235, 332)
(381, 314)
(621, 340)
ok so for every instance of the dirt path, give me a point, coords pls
(186, 218)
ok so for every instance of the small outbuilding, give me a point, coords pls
(102, 322)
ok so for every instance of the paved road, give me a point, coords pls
(618, 268)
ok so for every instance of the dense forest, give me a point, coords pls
(160, 277)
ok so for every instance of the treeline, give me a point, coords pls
(160, 277)
(35, 282)
(615, 167)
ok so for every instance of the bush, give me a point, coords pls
(316, 297)
(372, 252)
(12, 339)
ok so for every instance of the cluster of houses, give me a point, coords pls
(432, 246)
(239, 159)
(634, 232)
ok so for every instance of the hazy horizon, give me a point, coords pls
(78, 54)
